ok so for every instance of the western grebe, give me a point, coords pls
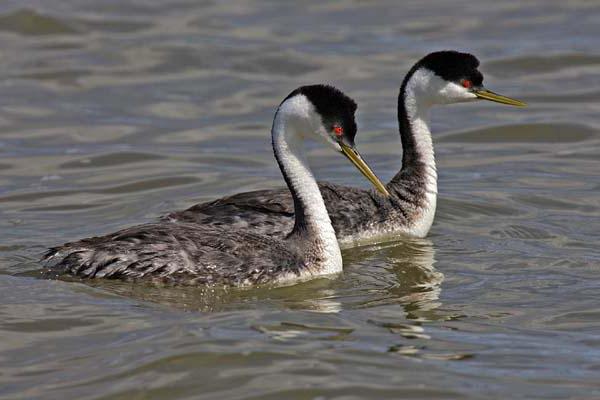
(181, 252)
(443, 77)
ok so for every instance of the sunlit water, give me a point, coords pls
(115, 112)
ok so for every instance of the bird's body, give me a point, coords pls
(357, 214)
(183, 253)
(212, 254)
(360, 215)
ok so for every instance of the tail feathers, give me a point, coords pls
(98, 263)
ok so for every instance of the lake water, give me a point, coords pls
(115, 112)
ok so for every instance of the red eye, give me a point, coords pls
(466, 83)
(338, 130)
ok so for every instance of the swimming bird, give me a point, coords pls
(360, 215)
(187, 253)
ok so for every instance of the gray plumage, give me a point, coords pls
(182, 253)
(215, 254)
(352, 210)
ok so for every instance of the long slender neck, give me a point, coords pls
(418, 159)
(416, 183)
(312, 224)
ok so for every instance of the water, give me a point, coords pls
(115, 112)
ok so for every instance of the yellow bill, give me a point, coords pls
(355, 158)
(498, 98)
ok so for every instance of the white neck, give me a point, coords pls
(419, 155)
(294, 118)
(417, 103)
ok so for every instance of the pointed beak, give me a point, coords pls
(485, 94)
(352, 154)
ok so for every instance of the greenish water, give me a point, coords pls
(115, 112)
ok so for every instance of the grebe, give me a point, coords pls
(187, 253)
(360, 215)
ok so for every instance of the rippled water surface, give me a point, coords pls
(115, 112)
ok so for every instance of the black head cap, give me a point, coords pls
(335, 107)
(452, 66)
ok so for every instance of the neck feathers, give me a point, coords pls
(312, 221)
(413, 115)
(416, 183)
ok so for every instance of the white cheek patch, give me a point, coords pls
(454, 93)
(432, 89)
(303, 119)
(326, 137)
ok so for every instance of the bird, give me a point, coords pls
(362, 215)
(180, 252)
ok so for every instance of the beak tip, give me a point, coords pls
(358, 162)
(485, 94)
(383, 190)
